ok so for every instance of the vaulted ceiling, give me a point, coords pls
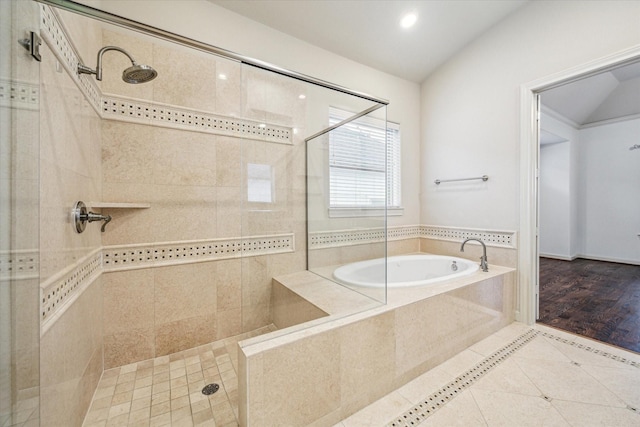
(604, 96)
(369, 32)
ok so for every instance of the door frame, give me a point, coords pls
(528, 254)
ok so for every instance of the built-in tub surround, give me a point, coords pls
(354, 360)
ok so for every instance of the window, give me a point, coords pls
(357, 153)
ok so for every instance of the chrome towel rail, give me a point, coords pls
(483, 177)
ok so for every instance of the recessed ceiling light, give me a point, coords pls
(302, 96)
(408, 20)
(222, 76)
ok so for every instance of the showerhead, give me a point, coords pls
(135, 74)
(139, 74)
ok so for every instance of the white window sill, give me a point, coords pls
(364, 212)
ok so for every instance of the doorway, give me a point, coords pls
(573, 225)
(589, 268)
(531, 94)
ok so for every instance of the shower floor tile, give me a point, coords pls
(167, 390)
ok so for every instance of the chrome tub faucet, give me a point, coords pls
(483, 259)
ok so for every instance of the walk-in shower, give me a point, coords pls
(204, 174)
(137, 73)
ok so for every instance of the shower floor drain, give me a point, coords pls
(210, 389)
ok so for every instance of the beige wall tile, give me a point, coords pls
(288, 308)
(127, 152)
(306, 388)
(228, 284)
(229, 323)
(184, 291)
(185, 77)
(367, 353)
(122, 348)
(183, 158)
(128, 301)
(229, 161)
(228, 89)
(183, 334)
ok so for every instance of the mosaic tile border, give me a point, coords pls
(57, 292)
(590, 349)
(62, 288)
(20, 264)
(17, 94)
(338, 238)
(496, 238)
(128, 257)
(120, 108)
(441, 397)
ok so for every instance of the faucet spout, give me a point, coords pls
(483, 259)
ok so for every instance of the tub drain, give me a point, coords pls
(210, 389)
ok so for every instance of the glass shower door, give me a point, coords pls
(19, 218)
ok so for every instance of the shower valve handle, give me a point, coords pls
(82, 216)
(90, 217)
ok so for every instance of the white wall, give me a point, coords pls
(610, 174)
(589, 191)
(209, 23)
(558, 190)
(470, 105)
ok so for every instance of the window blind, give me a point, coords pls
(359, 153)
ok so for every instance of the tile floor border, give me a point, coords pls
(591, 349)
(430, 404)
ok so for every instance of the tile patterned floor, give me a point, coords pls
(167, 390)
(549, 377)
(555, 378)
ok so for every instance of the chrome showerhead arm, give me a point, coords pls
(83, 69)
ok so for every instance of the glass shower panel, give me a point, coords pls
(272, 194)
(19, 217)
(346, 198)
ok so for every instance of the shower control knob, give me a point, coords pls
(81, 216)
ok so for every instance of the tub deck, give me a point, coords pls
(355, 349)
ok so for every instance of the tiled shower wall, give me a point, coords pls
(196, 185)
(71, 356)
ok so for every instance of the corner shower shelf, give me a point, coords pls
(118, 205)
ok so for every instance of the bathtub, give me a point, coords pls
(405, 271)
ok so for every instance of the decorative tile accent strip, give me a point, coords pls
(130, 110)
(331, 239)
(114, 107)
(21, 264)
(127, 257)
(436, 400)
(53, 33)
(591, 349)
(505, 239)
(17, 94)
(65, 286)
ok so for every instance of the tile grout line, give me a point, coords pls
(441, 397)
